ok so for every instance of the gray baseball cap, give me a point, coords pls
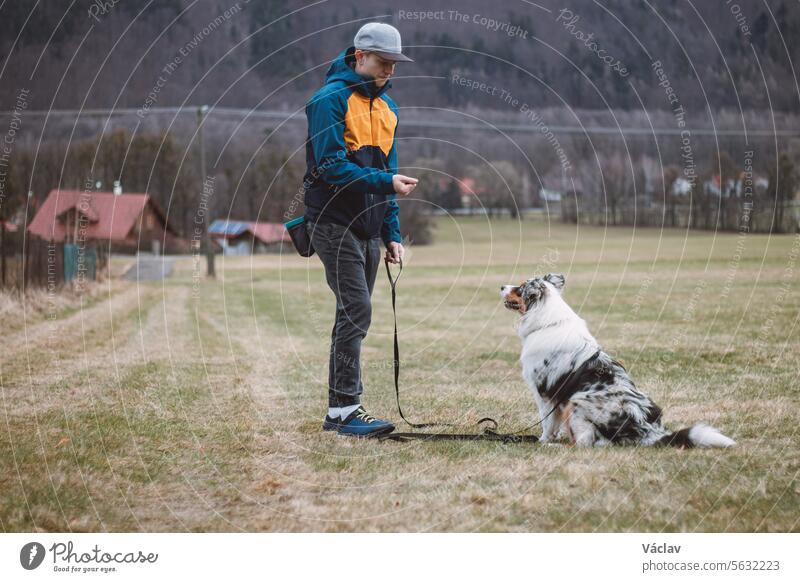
(382, 39)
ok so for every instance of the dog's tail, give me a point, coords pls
(698, 436)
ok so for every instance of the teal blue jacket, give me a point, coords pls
(351, 154)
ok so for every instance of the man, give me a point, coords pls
(351, 189)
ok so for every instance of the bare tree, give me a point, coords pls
(498, 184)
(782, 184)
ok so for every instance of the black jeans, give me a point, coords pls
(351, 265)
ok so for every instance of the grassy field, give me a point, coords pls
(183, 405)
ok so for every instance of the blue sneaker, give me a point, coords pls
(331, 423)
(358, 423)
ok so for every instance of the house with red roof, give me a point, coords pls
(88, 225)
(122, 222)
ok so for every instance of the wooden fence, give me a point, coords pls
(36, 264)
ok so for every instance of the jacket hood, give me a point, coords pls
(340, 70)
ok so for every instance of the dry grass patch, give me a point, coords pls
(206, 414)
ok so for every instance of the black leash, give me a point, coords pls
(489, 434)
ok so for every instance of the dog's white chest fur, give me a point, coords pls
(555, 340)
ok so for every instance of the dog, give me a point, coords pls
(582, 392)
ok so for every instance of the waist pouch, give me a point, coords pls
(299, 235)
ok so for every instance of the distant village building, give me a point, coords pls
(550, 195)
(91, 224)
(681, 187)
(238, 237)
(470, 193)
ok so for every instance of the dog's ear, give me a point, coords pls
(557, 280)
(531, 290)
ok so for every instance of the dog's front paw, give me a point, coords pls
(553, 439)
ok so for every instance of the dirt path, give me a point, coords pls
(150, 268)
(122, 434)
(54, 351)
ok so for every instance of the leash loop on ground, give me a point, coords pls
(487, 434)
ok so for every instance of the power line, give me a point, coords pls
(488, 126)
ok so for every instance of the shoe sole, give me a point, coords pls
(374, 433)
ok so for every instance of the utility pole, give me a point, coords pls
(201, 116)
